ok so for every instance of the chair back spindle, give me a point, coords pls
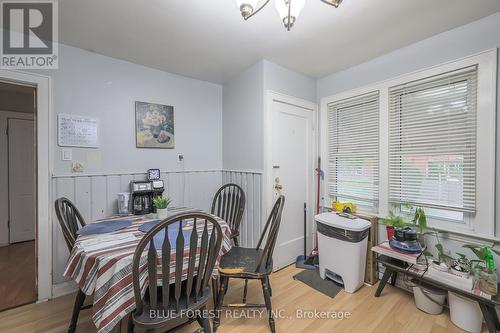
(229, 205)
(273, 224)
(203, 246)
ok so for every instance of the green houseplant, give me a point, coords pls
(161, 203)
(392, 221)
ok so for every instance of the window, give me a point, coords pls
(432, 144)
(353, 149)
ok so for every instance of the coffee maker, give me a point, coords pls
(142, 194)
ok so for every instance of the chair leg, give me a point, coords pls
(204, 321)
(267, 298)
(270, 288)
(80, 298)
(130, 325)
(245, 291)
(236, 242)
(224, 280)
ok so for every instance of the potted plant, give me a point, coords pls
(420, 221)
(484, 271)
(462, 266)
(464, 312)
(442, 262)
(392, 221)
(161, 203)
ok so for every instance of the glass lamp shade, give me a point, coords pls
(295, 9)
(247, 7)
(334, 3)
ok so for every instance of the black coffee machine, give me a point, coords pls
(142, 194)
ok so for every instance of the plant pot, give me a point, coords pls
(455, 270)
(465, 313)
(439, 266)
(162, 214)
(390, 232)
(429, 299)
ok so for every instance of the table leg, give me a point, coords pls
(382, 283)
(495, 317)
(394, 277)
(488, 317)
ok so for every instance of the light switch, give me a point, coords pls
(67, 154)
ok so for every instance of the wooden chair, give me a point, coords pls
(174, 301)
(252, 263)
(229, 205)
(70, 221)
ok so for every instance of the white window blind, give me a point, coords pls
(432, 141)
(353, 148)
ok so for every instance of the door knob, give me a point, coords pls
(277, 185)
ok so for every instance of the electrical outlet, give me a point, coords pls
(180, 158)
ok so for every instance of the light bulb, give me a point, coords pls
(247, 7)
(295, 9)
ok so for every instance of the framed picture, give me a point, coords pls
(154, 125)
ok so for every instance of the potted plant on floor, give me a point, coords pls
(392, 221)
(161, 203)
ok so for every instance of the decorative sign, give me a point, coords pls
(76, 131)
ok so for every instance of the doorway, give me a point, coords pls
(17, 195)
(289, 171)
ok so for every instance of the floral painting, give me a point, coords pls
(154, 125)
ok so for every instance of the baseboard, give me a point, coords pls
(64, 288)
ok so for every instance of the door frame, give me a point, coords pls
(267, 177)
(43, 241)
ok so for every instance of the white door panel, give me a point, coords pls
(292, 156)
(21, 180)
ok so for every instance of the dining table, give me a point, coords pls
(101, 264)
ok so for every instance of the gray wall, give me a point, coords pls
(282, 80)
(93, 85)
(243, 110)
(105, 88)
(243, 101)
(451, 45)
(464, 41)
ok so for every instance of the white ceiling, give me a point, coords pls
(209, 40)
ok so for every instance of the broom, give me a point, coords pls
(311, 261)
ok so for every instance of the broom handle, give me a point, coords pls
(305, 230)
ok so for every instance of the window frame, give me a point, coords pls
(482, 223)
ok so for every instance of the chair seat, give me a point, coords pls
(170, 318)
(241, 262)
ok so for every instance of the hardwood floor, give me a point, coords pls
(394, 311)
(17, 275)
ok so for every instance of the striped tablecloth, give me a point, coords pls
(102, 266)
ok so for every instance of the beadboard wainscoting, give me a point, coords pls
(251, 224)
(95, 195)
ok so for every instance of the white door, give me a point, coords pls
(292, 165)
(21, 180)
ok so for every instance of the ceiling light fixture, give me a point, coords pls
(288, 12)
